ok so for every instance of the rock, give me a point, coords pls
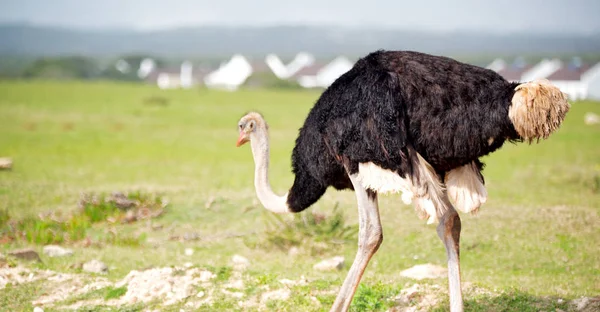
(189, 251)
(26, 254)
(95, 266)
(171, 285)
(38, 309)
(280, 294)
(5, 163)
(130, 217)
(240, 262)
(191, 236)
(407, 295)
(57, 251)
(294, 251)
(581, 303)
(288, 282)
(417, 298)
(335, 263)
(587, 304)
(121, 201)
(591, 119)
(423, 271)
(235, 284)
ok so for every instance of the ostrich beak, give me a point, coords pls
(242, 139)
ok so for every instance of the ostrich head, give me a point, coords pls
(250, 125)
(538, 108)
(253, 129)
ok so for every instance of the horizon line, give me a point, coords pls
(131, 28)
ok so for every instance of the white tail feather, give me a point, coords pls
(465, 188)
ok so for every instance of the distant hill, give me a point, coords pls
(323, 41)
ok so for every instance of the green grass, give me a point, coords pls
(18, 298)
(315, 233)
(376, 297)
(513, 301)
(113, 293)
(69, 227)
(536, 237)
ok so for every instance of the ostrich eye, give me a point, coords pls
(241, 126)
(251, 125)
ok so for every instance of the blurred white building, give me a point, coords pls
(147, 66)
(230, 75)
(184, 76)
(282, 71)
(326, 75)
(578, 80)
(575, 78)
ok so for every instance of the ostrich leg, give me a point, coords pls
(370, 237)
(449, 232)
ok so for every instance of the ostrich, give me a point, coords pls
(411, 123)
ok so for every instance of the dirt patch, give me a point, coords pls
(418, 297)
(67, 287)
(193, 287)
(172, 284)
(60, 286)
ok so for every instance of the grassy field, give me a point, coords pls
(534, 241)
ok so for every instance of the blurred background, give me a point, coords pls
(121, 187)
(231, 44)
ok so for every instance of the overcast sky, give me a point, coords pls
(581, 16)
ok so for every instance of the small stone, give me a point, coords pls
(5, 163)
(130, 216)
(188, 264)
(121, 201)
(288, 282)
(26, 254)
(335, 263)
(581, 303)
(408, 294)
(95, 266)
(200, 294)
(280, 294)
(235, 284)
(38, 309)
(591, 119)
(294, 251)
(57, 251)
(240, 262)
(191, 236)
(206, 276)
(189, 251)
(423, 271)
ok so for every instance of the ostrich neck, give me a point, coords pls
(260, 151)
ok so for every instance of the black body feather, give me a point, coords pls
(392, 104)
